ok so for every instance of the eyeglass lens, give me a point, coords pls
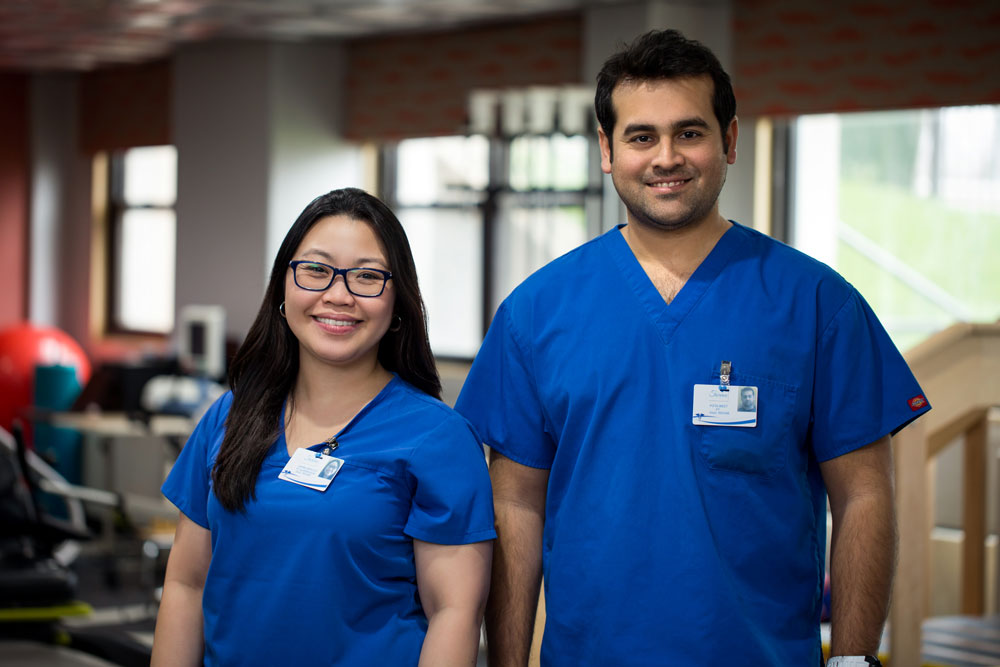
(363, 282)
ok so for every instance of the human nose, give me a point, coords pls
(337, 292)
(667, 156)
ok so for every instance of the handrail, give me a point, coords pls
(959, 371)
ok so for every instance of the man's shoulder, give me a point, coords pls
(779, 257)
(563, 272)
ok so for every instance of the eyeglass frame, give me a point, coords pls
(293, 265)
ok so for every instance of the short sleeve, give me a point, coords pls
(452, 498)
(187, 486)
(863, 389)
(500, 396)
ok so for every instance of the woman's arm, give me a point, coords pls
(179, 638)
(453, 581)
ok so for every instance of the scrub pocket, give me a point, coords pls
(760, 450)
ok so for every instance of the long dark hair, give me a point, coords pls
(664, 54)
(265, 367)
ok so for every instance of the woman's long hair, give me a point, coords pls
(266, 365)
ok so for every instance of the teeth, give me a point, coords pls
(668, 184)
(335, 323)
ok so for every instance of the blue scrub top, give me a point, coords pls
(309, 577)
(667, 542)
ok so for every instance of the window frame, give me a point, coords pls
(116, 209)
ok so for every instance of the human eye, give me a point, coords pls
(641, 139)
(313, 269)
(690, 134)
(367, 276)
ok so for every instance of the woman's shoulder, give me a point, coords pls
(216, 414)
(429, 413)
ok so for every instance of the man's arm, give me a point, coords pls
(519, 504)
(863, 546)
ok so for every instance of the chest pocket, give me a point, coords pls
(763, 449)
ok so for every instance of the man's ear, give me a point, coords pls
(731, 134)
(606, 156)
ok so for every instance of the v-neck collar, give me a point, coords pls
(667, 317)
(279, 451)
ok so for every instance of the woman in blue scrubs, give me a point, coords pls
(333, 509)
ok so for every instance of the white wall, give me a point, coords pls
(308, 157)
(59, 213)
(256, 129)
(221, 127)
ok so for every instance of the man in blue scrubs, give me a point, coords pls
(673, 524)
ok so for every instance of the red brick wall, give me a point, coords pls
(126, 106)
(417, 85)
(794, 57)
(14, 197)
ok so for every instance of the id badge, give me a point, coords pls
(735, 406)
(310, 469)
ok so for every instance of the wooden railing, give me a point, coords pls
(959, 371)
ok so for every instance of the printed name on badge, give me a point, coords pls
(715, 407)
(312, 470)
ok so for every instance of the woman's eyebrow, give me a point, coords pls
(358, 262)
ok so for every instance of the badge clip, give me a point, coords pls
(330, 444)
(725, 370)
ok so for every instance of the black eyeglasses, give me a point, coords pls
(360, 281)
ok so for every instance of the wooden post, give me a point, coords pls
(909, 596)
(974, 520)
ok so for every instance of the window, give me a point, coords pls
(906, 206)
(440, 187)
(142, 239)
(542, 210)
(482, 214)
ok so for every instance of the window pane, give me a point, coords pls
(906, 205)
(442, 170)
(553, 162)
(447, 249)
(146, 270)
(151, 176)
(531, 237)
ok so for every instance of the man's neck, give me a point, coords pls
(670, 257)
(679, 251)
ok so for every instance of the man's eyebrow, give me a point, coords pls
(633, 128)
(694, 121)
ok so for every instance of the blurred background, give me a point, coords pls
(154, 152)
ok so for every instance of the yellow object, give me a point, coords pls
(52, 613)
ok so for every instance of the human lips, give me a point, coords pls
(668, 183)
(337, 321)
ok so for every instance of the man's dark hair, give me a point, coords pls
(664, 54)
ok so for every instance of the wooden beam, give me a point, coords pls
(909, 597)
(974, 520)
(945, 434)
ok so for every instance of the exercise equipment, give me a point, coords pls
(25, 346)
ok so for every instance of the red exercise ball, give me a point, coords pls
(24, 346)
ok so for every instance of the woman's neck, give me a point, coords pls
(323, 403)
